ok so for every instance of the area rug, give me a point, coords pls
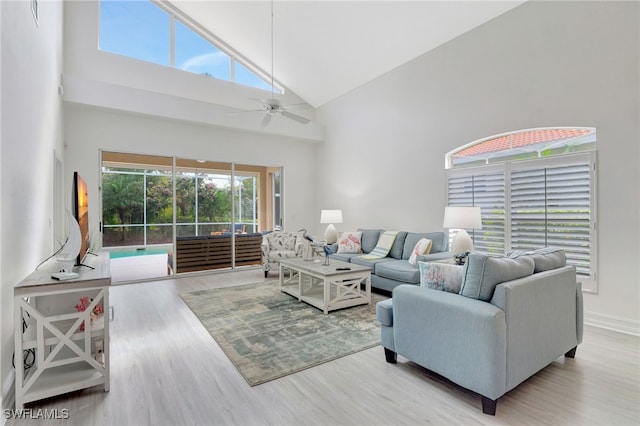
(268, 334)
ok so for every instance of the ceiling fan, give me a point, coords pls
(272, 106)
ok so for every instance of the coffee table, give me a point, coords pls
(327, 287)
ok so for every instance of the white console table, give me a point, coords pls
(66, 357)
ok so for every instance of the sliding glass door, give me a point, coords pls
(215, 220)
(137, 214)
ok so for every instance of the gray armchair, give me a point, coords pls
(487, 346)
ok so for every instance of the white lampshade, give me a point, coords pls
(331, 216)
(459, 217)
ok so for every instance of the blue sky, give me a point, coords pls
(141, 30)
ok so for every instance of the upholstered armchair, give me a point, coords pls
(279, 245)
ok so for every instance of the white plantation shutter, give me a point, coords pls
(485, 189)
(552, 206)
(531, 204)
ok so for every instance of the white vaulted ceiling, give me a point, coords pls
(323, 49)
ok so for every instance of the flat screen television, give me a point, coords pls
(81, 213)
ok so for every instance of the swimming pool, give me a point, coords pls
(115, 254)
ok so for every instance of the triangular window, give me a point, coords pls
(158, 33)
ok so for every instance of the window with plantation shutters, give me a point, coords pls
(484, 190)
(529, 203)
(551, 206)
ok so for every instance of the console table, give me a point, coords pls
(71, 351)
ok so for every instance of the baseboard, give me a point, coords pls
(8, 393)
(609, 322)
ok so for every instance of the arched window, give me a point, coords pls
(535, 188)
(523, 144)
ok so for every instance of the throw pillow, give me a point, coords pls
(441, 276)
(422, 247)
(349, 243)
(482, 273)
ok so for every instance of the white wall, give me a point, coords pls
(88, 130)
(121, 104)
(541, 64)
(2, 381)
(31, 132)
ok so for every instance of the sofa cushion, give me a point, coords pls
(437, 239)
(422, 247)
(398, 245)
(349, 242)
(371, 263)
(544, 259)
(399, 270)
(369, 239)
(441, 276)
(482, 273)
(440, 241)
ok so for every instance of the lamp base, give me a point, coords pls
(331, 235)
(461, 243)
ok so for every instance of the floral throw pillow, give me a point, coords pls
(441, 276)
(350, 243)
(422, 247)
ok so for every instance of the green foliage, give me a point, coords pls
(122, 200)
(124, 197)
(159, 205)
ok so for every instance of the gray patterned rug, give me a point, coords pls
(268, 334)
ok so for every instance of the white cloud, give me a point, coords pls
(207, 60)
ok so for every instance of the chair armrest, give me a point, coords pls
(264, 246)
(542, 315)
(303, 247)
(384, 312)
(460, 338)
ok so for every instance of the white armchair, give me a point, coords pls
(279, 245)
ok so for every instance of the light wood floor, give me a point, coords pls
(131, 268)
(167, 370)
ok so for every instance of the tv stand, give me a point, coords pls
(71, 351)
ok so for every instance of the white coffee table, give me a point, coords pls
(326, 287)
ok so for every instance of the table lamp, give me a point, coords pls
(461, 218)
(331, 217)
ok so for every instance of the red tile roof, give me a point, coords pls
(519, 140)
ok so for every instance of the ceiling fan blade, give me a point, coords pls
(266, 120)
(298, 105)
(295, 117)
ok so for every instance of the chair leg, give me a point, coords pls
(571, 353)
(390, 356)
(489, 405)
